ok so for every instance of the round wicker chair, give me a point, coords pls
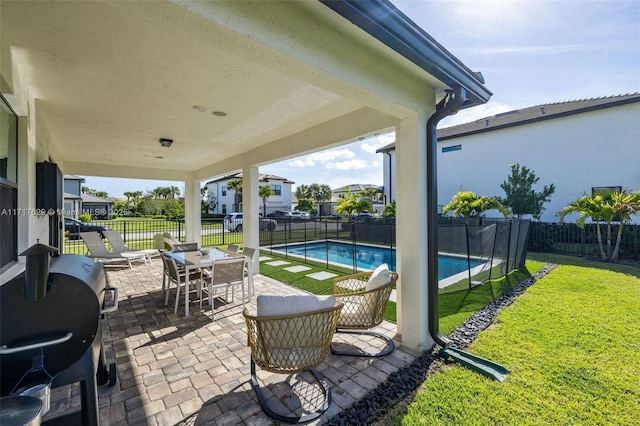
(363, 309)
(290, 344)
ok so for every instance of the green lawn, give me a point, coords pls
(571, 345)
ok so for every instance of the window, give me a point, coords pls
(224, 191)
(604, 189)
(452, 148)
(277, 189)
(8, 184)
(224, 209)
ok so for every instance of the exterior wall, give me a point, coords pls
(575, 153)
(73, 186)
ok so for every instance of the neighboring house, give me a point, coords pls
(354, 188)
(77, 203)
(578, 146)
(73, 195)
(224, 197)
(98, 208)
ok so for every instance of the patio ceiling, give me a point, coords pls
(111, 78)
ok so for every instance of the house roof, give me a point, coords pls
(356, 187)
(262, 178)
(88, 198)
(68, 196)
(74, 177)
(529, 115)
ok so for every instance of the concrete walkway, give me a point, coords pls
(194, 371)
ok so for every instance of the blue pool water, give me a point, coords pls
(369, 257)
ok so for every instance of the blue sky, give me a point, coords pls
(530, 53)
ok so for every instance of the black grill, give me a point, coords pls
(56, 325)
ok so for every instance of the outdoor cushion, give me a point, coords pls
(379, 277)
(269, 305)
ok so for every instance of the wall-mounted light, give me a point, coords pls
(165, 142)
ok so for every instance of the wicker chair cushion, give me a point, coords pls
(354, 312)
(379, 277)
(269, 305)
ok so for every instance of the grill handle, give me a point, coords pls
(4, 350)
(115, 302)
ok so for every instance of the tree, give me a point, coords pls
(236, 185)
(468, 204)
(305, 205)
(606, 207)
(304, 191)
(389, 210)
(352, 203)
(321, 193)
(265, 191)
(521, 198)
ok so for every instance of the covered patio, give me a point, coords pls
(187, 91)
(194, 371)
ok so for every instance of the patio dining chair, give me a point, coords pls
(96, 249)
(119, 246)
(291, 335)
(365, 296)
(233, 248)
(178, 276)
(225, 273)
(249, 254)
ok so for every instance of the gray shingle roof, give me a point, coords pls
(529, 115)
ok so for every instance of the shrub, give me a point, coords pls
(84, 218)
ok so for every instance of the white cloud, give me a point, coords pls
(332, 154)
(302, 162)
(355, 164)
(371, 145)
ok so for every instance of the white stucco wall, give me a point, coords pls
(575, 153)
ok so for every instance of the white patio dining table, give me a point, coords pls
(192, 260)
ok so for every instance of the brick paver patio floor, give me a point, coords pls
(174, 370)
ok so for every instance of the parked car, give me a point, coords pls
(233, 222)
(281, 215)
(73, 227)
(300, 215)
(363, 217)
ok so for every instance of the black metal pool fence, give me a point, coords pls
(497, 246)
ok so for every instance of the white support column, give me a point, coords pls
(411, 231)
(192, 214)
(250, 207)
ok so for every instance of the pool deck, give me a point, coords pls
(174, 370)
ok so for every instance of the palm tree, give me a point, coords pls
(352, 203)
(304, 191)
(320, 194)
(236, 185)
(606, 207)
(129, 196)
(265, 191)
(468, 204)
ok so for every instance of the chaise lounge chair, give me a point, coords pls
(97, 250)
(119, 246)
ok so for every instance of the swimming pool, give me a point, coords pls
(369, 257)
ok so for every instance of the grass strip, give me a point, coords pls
(570, 343)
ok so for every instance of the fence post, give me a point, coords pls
(124, 231)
